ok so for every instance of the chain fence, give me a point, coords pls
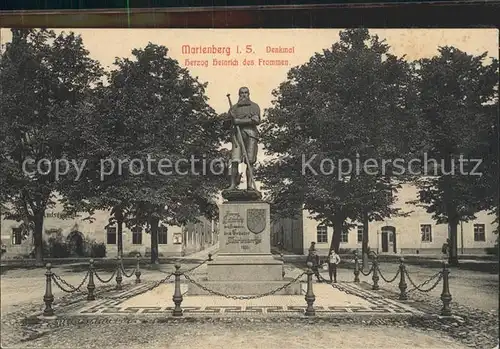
(216, 293)
(102, 280)
(125, 272)
(402, 273)
(66, 287)
(367, 273)
(438, 276)
(62, 284)
(416, 287)
(71, 289)
(386, 280)
(167, 278)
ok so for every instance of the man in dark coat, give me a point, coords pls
(313, 257)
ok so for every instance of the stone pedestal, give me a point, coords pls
(244, 264)
(233, 267)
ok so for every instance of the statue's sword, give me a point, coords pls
(245, 154)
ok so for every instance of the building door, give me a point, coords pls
(389, 239)
(75, 242)
(395, 250)
(385, 241)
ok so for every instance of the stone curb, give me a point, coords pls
(425, 322)
(364, 319)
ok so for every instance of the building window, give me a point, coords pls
(426, 231)
(162, 235)
(360, 233)
(17, 236)
(479, 234)
(111, 236)
(344, 236)
(391, 236)
(321, 234)
(137, 236)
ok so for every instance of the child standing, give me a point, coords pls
(333, 261)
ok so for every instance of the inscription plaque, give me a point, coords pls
(244, 228)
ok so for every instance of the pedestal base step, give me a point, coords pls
(244, 288)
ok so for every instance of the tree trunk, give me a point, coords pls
(119, 241)
(364, 244)
(451, 212)
(338, 225)
(119, 222)
(453, 252)
(38, 237)
(154, 221)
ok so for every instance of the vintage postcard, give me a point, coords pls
(249, 188)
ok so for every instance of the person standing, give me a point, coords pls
(445, 250)
(313, 257)
(333, 261)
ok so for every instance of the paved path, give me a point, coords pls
(347, 299)
(241, 336)
(32, 281)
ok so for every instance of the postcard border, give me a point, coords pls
(381, 15)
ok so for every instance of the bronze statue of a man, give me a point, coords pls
(246, 115)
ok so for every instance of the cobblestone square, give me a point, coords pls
(141, 314)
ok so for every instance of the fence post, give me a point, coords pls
(375, 277)
(137, 270)
(91, 284)
(119, 273)
(446, 296)
(177, 298)
(310, 298)
(403, 296)
(48, 298)
(356, 266)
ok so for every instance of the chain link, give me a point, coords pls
(155, 285)
(383, 278)
(60, 282)
(61, 287)
(368, 273)
(104, 281)
(187, 271)
(438, 275)
(72, 289)
(270, 293)
(125, 273)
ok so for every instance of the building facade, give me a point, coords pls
(172, 240)
(416, 233)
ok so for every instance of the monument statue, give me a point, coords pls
(244, 264)
(244, 117)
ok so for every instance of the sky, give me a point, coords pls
(106, 44)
